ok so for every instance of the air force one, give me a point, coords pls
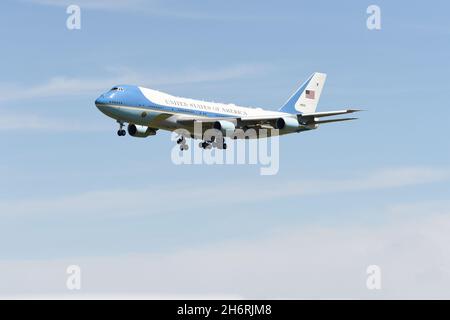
(146, 111)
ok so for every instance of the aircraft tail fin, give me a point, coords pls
(307, 96)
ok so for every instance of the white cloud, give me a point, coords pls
(157, 8)
(27, 122)
(120, 296)
(307, 261)
(93, 4)
(129, 202)
(303, 262)
(62, 86)
(380, 179)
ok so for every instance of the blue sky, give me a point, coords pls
(373, 191)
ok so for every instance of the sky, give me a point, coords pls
(346, 196)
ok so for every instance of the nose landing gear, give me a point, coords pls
(121, 132)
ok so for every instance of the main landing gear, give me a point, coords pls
(205, 145)
(121, 132)
(208, 144)
(182, 142)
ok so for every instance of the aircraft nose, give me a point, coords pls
(100, 100)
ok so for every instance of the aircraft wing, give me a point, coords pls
(238, 121)
(253, 121)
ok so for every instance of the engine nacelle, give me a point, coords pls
(140, 131)
(224, 126)
(288, 124)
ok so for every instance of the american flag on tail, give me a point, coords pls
(310, 94)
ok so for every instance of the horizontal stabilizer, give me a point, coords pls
(328, 113)
(333, 120)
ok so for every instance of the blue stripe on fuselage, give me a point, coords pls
(132, 96)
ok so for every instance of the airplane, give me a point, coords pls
(146, 111)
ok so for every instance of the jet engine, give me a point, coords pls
(289, 124)
(140, 131)
(224, 126)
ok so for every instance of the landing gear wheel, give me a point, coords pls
(121, 132)
(207, 145)
(184, 147)
(224, 146)
(181, 140)
(202, 145)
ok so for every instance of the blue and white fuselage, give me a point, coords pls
(146, 110)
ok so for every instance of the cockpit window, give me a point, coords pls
(116, 89)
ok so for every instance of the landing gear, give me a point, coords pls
(121, 132)
(182, 142)
(212, 144)
(205, 145)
